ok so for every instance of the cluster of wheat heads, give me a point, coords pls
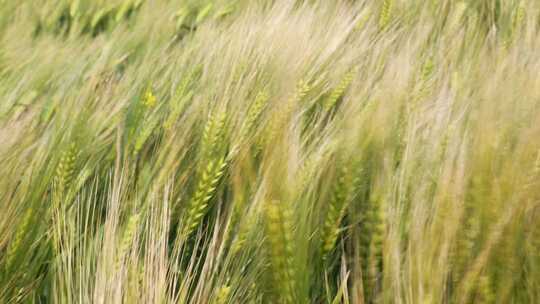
(279, 152)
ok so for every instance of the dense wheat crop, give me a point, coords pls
(169, 151)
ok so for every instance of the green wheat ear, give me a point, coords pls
(254, 113)
(516, 26)
(177, 104)
(336, 210)
(279, 235)
(64, 172)
(198, 205)
(19, 239)
(485, 294)
(126, 7)
(371, 243)
(378, 230)
(222, 295)
(457, 15)
(426, 78)
(385, 15)
(464, 250)
(519, 17)
(212, 166)
(279, 120)
(241, 237)
(427, 69)
(302, 89)
(148, 127)
(338, 91)
(74, 8)
(363, 20)
(127, 238)
(212, 138)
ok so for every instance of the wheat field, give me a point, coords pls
(270, 151)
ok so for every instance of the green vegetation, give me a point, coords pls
(159, 151)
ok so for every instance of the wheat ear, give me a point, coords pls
(279, 236)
